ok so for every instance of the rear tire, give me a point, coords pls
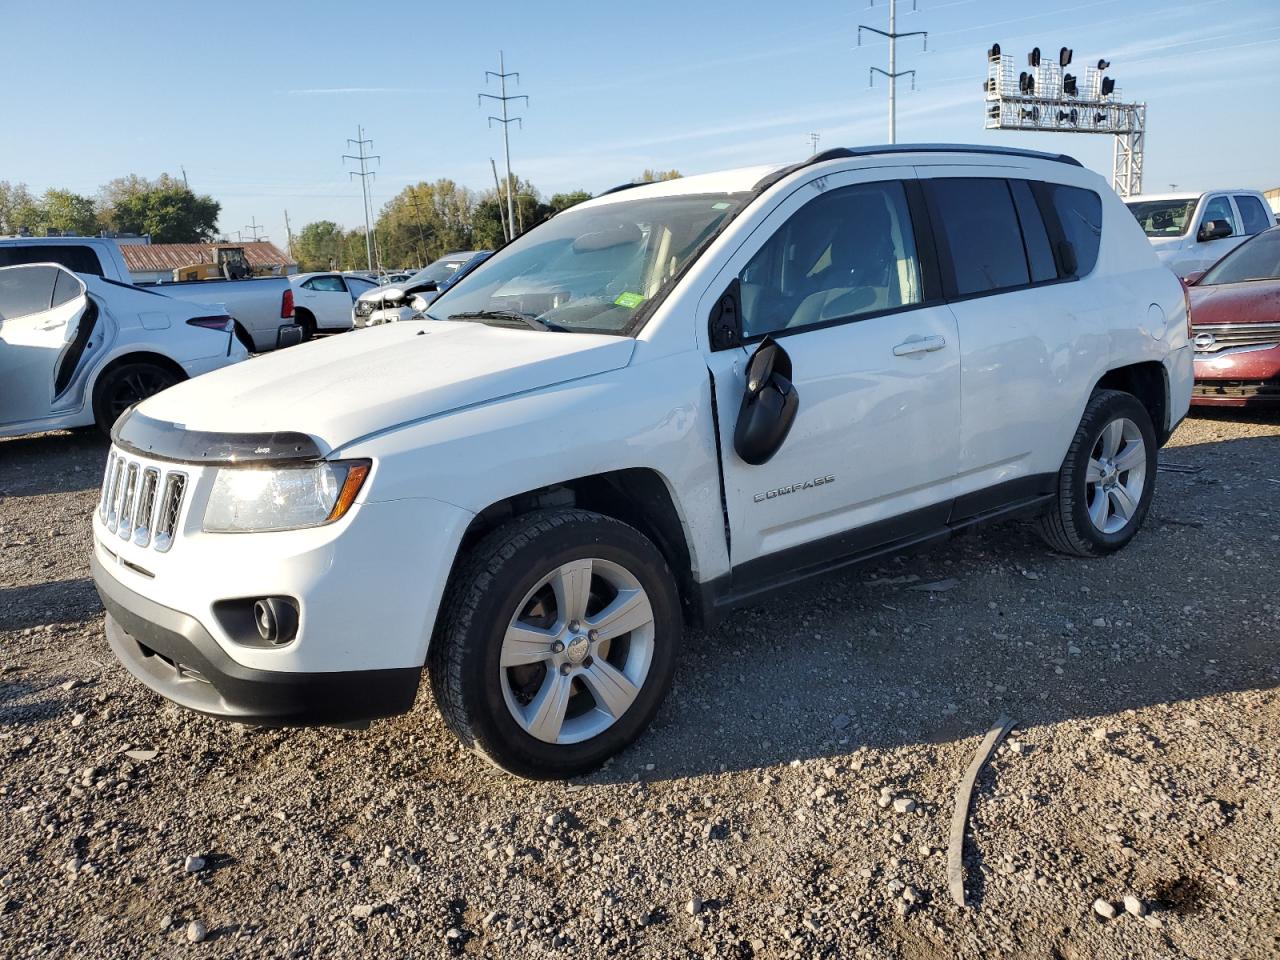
(121, 387)
(1107, 478)
(557, 642)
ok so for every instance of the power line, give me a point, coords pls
(893, 73)
(364, 173)
(506, 122)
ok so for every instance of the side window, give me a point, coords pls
(1034, 234)
(328, 284)
(1080, 215)
(65, 288)
(844, 254)
(309, 284)
(974, 218)
(1253, 214)
(1219, 208)
(78, 259)
(25, 290)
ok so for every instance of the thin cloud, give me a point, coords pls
(327, 91)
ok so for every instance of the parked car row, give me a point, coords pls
(404, 299)
(659, 405)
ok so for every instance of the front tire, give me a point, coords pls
(1107, 478)
(121, 387)
(557, 644)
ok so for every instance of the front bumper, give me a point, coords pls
(176, 657)
(1247, 378)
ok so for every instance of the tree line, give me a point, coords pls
(164, 207)
(426, 220)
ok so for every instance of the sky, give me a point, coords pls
(256, 100)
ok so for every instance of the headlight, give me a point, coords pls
(419, 303)
(250, 499)
(364, 308)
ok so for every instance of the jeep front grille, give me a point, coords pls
(140, 502)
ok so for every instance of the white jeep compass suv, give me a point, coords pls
(663, 403)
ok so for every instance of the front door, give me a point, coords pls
(40, 311)
(833, 275)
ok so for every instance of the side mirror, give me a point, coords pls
(769, 405)
(1214, 230)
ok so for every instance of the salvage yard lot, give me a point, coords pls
(748, 821)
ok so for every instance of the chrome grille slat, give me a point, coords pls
(128, 500)
(1228, 335)
(142, 503)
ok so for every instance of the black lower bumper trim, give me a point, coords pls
(176, 657)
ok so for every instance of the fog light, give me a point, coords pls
(276, 619)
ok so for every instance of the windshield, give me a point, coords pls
(1163, 218)
(589, 270)
(1256, 259)
(437, 272)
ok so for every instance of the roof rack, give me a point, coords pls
(621, 186)
(844, 153)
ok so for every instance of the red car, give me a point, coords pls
(1235, 320)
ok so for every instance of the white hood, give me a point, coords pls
(343, 387)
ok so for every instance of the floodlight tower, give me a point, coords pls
(893, 73)
(1046, 97)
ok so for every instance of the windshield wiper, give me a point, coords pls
(526, 318)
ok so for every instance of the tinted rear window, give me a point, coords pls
(1253, 213)
(1080, 213)
(77, 259)
(976, 220)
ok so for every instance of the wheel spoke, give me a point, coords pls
(572, 586)
(612, 690)
(524, 644)
(1124, 503)
(545, 714)
(1093, 473)
(1098, 509)
(629, 611)
(1132, 456)
(1112, 435)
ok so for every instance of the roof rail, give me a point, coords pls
(621, 186)
(843, 153)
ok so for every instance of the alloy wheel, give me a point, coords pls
(1116, 475)
(577, 651)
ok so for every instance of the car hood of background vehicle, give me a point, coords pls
(1254, 301)
(344, 387)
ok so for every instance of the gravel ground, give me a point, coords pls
(793, 798)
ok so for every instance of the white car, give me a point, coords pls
(1192, 231)
(322, 302)
(395, 302)
(76, 350)
(660, 404)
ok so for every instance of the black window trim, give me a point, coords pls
(926, 258)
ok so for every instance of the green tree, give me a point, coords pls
(563, 201)
(165, 208)
(69, 212)
(653, 176)
(19, 210)
(319, 246)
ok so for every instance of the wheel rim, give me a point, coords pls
(137, 385)
(577, 651)
(1116, 475)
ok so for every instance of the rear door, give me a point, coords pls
(1254, 215)
(1027, 334)
(841, 276)
(41, 312)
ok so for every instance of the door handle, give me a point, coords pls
(914, 345)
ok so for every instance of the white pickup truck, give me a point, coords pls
(1192, 231)
(262, 307)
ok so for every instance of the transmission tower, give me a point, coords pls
(364, 174)
(893, 73)
(255, 230)
(501, 75)
(813, 143)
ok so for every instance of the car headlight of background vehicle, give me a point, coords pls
(252, 499)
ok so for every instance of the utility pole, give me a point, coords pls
(813, 143)
(184, 176)
(893, 73)
(254, 229)
(422, 234)
(502, 217)
(506, 122)
(364, 174)
(288, 233)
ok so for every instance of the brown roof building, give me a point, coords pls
(155, 262)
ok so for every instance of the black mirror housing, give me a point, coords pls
(1214, 230)
(769, 405)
